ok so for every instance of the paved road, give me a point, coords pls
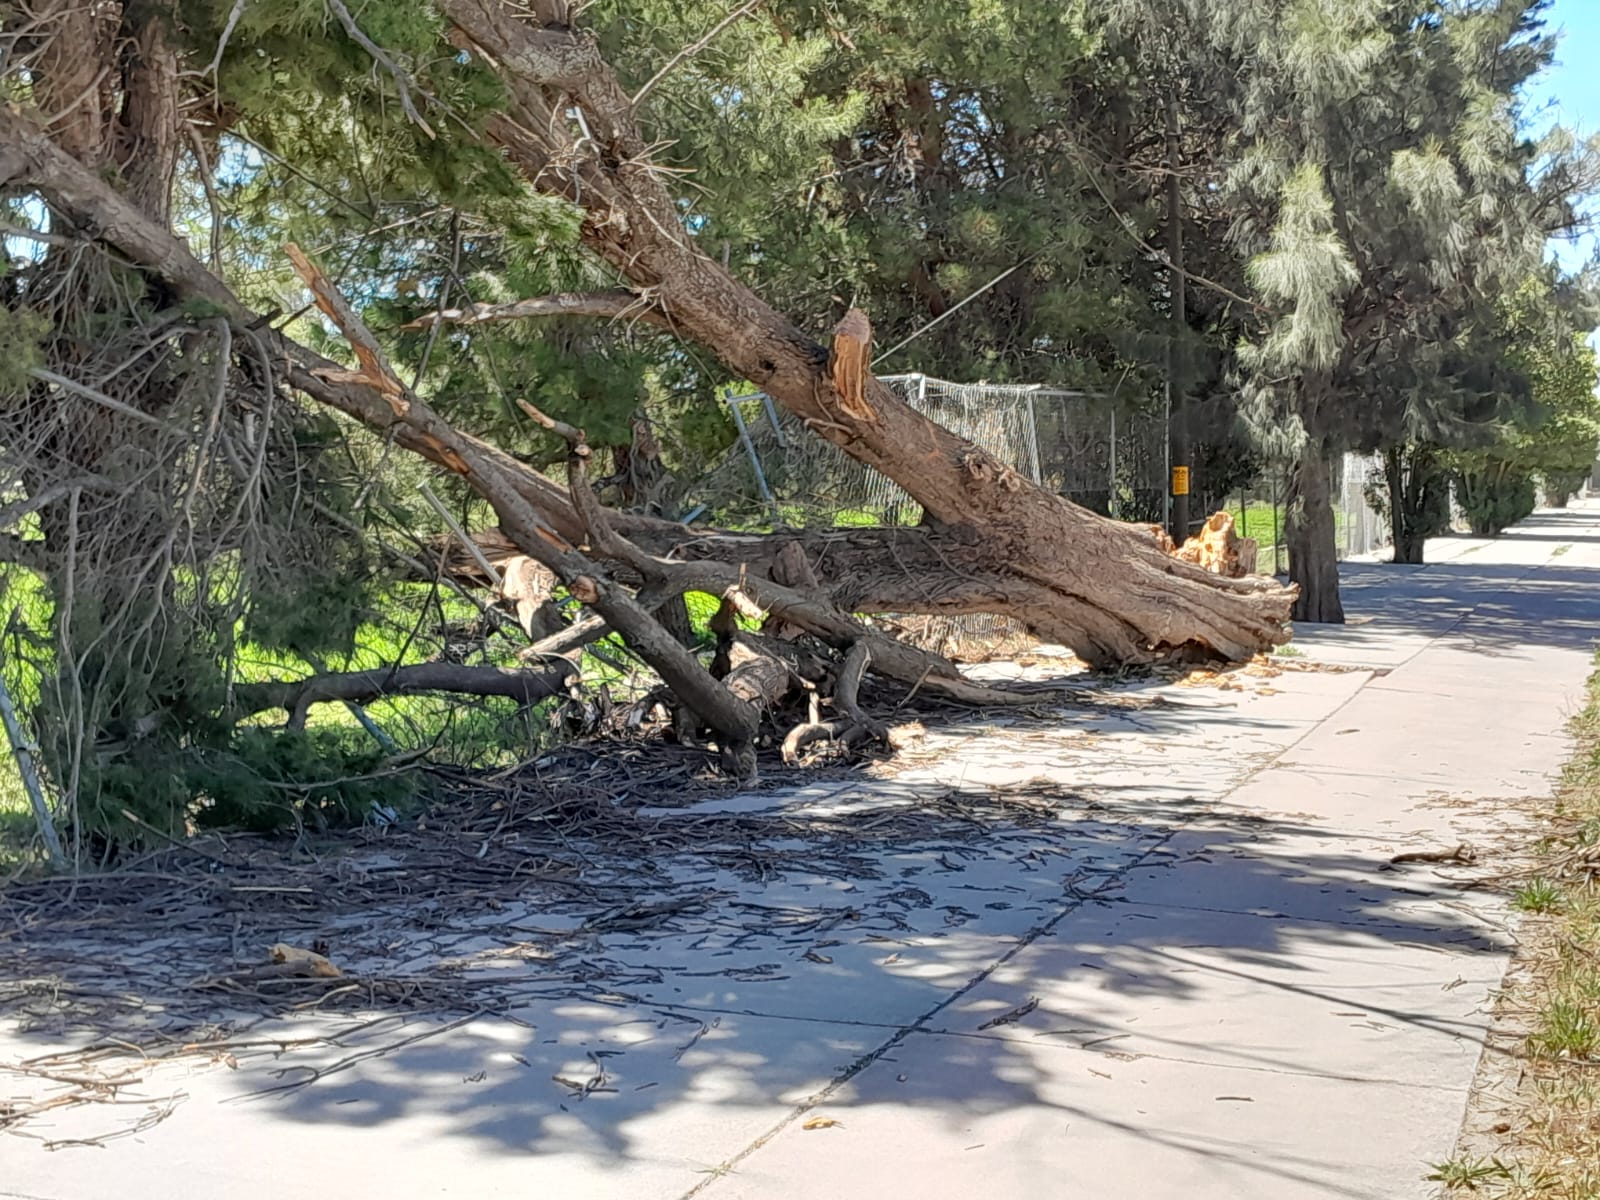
(1203, 980)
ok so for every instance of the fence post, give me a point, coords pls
(732, 402)
(777, 426)
(1277, 530)
(1033, 440)
(23, 750)
(1111, 467)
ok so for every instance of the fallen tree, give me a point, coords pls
(1069, 575)
(990, 542)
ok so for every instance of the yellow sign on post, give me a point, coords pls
(1180, 481)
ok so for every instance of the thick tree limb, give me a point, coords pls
(357, 687)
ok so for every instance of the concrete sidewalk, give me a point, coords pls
(1203, 979)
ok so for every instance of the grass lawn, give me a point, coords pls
(1549, 1137)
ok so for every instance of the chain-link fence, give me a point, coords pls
(1079, 445)
(1074, 443)
(1260, 512)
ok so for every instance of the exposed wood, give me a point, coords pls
(1218, 548)
(850, 364)
(573, 638)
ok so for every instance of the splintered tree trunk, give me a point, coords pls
(1313, 547)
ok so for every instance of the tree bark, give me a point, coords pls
(1414, 484)
(1313, 547)
(297, 696)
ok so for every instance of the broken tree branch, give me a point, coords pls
(735, 722)
(616, 305)
(358, 687)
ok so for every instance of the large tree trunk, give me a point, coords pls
(1313, 547)
(1418, 500)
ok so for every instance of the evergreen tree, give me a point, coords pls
(1385, 200)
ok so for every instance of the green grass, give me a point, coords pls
(1568, 1028)
(1466, 1174)
(1538, 896)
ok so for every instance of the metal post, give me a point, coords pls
(1166, 482)
(1033, 440)
(1177, 389)
(23, 749)
(772, 417)
(1277, 530)
(732, 402)
(470, 546)
(1111, 468)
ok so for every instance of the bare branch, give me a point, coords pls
(227, 32)
(382, 58)
(691, 50)
(296, 696)
(34, 235)
(89, 393)
(617, 305)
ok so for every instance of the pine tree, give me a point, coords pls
(1385, 200)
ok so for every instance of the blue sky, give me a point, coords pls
(1570, 92)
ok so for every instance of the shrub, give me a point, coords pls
(1495, 497)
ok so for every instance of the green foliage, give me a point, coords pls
(22, 334)
(257, 779)
(267, 779)
(1567, 1029)
(1495, 497)
(1538, 896)
(1557, 438)
(1467, 1173)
